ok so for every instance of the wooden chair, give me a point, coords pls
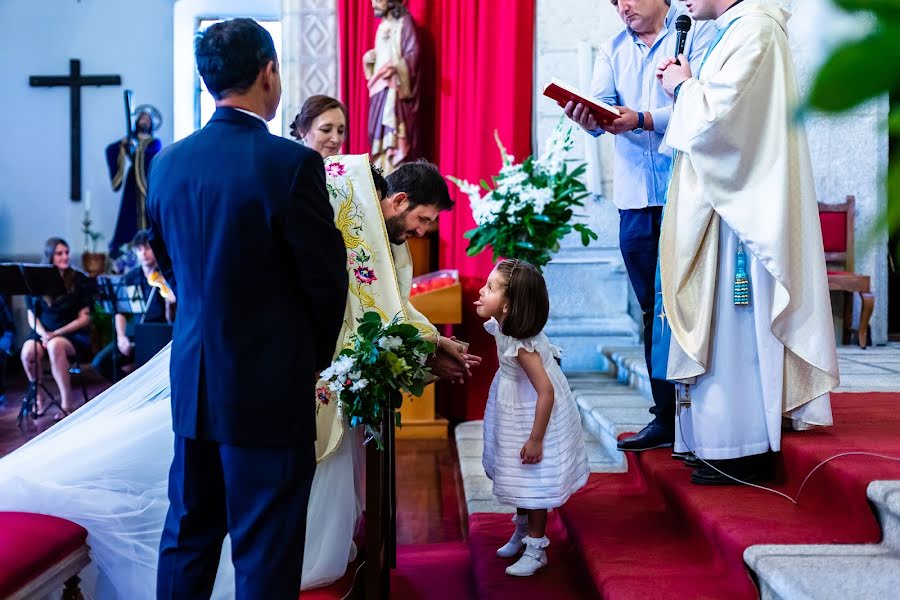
(837, 237)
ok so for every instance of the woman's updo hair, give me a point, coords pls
(312, 108)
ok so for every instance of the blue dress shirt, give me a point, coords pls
(625, 75)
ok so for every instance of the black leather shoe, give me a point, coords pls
(692, 462)
(652, 436)
(681, 455)
(749, 469)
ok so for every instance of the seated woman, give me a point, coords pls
(321, 125)
(61, 324)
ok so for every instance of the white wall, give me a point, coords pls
(186, 16)
(130, 38)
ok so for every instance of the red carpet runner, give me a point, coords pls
(650, 533)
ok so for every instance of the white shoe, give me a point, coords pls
(515, 544)
(533, 560)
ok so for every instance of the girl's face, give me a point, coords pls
(61, 257)
(492, 298)
(326, 134)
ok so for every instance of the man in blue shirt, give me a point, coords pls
(625, 76)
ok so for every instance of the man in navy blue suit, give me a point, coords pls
(243, 229)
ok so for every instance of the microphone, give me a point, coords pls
(682, 26)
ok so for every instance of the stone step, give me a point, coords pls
(835, 571)
(477, 486)
(825, 572)
(885, 496)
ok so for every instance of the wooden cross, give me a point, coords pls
(75, 81)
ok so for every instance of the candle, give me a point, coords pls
(87, 201)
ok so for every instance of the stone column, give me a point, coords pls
(591, 303)
(309, 62)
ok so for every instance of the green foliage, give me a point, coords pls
(863, 69)
(370, 376)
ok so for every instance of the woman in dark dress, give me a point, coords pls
(62, 325)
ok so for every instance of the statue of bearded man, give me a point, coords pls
(392, 73)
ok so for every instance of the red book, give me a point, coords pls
(563, 92)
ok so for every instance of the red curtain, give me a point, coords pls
(478, 59)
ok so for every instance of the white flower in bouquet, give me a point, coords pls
(338, 369)
(552, 159)
(359, 385)
(390, 343)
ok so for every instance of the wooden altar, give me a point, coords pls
(440, 300)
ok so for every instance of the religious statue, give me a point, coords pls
(129, 162)
(392, 73)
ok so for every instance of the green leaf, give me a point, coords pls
(889, 9)
(371, 317)
(485, 185)
(858, 70)
(894, 121)
(417, 389)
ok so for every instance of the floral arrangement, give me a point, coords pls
(530, 208)
(370, 377)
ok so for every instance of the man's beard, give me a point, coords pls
(396, 228)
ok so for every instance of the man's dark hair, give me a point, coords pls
(397, 8)
(381, 186)
(422, 183)
(231, 54)
(141, 238)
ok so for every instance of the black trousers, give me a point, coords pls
(258, 496)
(639, 241)
(103, 362)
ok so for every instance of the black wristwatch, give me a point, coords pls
(640, 126)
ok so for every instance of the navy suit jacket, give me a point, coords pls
(241, 221)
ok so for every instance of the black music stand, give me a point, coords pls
(22, 279)
(116, 297)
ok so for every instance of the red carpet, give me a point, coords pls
(650, 533)
(432, 572)
(562, 579)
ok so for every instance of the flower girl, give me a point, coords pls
(533, 447)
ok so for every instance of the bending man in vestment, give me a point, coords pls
(742, 272)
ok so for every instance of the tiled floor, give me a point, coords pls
(876, 368)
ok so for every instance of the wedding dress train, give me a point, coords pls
(106, 468)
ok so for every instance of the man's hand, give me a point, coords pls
(628, 120)
(451, 362)
(125, 345)
(581, 114)
(671, 74)
(532, 452)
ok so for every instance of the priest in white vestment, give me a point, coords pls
(742, 272)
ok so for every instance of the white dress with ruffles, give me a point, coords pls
(508, 420)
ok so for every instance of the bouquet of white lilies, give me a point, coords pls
(530, 208)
